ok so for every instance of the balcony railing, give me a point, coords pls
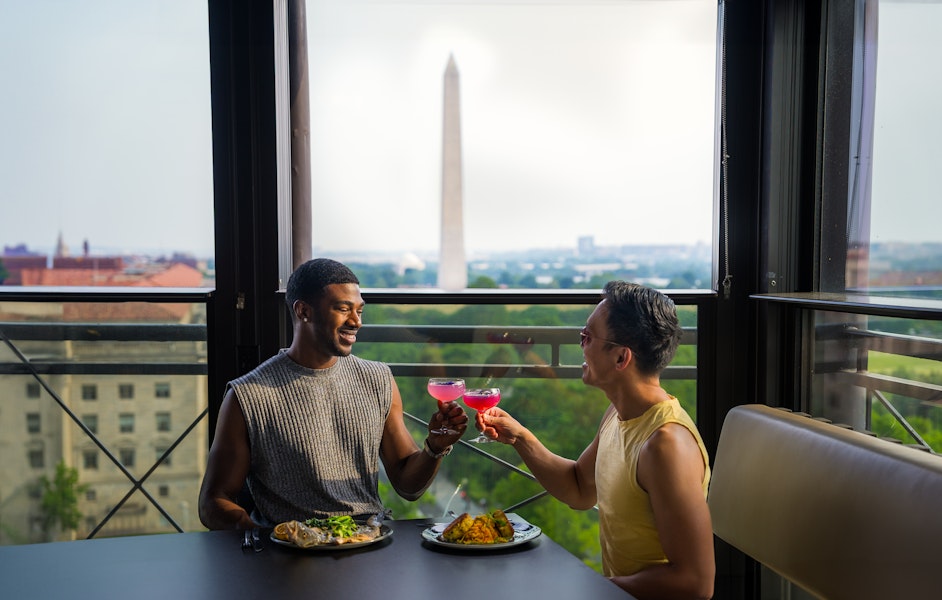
(850, 330)
(557, 346)
(51, 350)
(41, 366)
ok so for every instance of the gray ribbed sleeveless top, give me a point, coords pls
(314, 436)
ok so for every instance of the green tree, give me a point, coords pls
(483, 281)
(3, 272)
(59, 503)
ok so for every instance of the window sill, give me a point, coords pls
(886, 306)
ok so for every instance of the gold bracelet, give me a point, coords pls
(442, 454)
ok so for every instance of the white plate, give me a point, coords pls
(523, 533)
(384, 532)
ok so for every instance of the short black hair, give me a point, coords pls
(645, 320)
(308, 281)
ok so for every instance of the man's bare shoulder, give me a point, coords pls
(670, 441)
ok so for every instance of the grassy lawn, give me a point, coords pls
(921, 369)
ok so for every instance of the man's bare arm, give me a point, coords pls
(226, 469)
(671, 470)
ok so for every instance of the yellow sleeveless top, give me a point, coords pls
(627, 533)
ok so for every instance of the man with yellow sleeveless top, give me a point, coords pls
(647, 468)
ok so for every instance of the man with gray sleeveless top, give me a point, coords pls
(306, 429)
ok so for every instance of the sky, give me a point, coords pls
(106, 125)
(579, 118)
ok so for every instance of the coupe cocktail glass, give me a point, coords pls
(445, 389)
(481, 399)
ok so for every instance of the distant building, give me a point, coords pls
(16, 264)
(61, 248)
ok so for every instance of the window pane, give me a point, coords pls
(158, 452)
(900, 106)
(107, 347)
(127, 457)
(91, 421)
(163, 421)
(90, 459)
(33, 423)
(106, 160)
(586, 141)
(126, 423)
(879, 374)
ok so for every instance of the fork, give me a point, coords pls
(252, 540)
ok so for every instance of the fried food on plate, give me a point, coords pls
(458, 528)
(489, 528)
(504, 528)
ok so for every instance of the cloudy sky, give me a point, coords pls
(105, 121)
(578, 118)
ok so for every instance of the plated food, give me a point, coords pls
(332, 532)
(490, 531)
(489, 528)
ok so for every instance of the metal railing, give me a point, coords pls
(14, 334)
(878, 386)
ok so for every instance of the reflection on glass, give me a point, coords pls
(880, 374)
(895, 248)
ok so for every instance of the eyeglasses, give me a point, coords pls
(585, 337)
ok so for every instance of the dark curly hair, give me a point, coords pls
(308, 281)
(644, 320)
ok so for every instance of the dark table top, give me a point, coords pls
(213, 565)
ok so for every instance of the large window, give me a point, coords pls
(881, 371)
(577, 137)
(867, 345)
(106, 162)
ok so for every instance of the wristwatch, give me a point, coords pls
(442, 454)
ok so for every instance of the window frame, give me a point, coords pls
(126, 422)
(126, 391)
(33, 423)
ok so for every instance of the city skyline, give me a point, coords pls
(548, 121)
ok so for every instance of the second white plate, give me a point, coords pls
(523, 533)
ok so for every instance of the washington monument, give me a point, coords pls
(452, 270)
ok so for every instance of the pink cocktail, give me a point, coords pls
(445, 389)
(481, 400)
